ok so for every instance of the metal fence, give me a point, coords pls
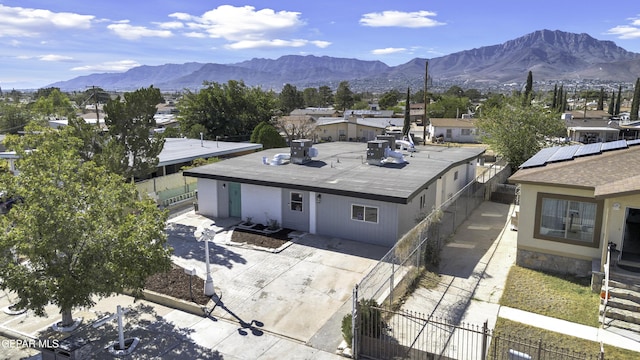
(386, 334)
(420, 247)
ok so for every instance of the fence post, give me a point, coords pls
(485, 335)
(393, 271)
(539, 348)
(354, 323)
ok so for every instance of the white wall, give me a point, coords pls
(261, 203)
(208, 197)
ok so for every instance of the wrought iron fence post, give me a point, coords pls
(354, 323)
(485, 335)
(539, 348)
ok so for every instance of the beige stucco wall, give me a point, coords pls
(526, 222)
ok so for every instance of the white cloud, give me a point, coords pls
(196, 35)
(417, 19)
(110, 66)
(320, 44)
(182, 16)
(387, 51)
(170, 25)
(130, 32)
(625, 32)
(52, 57)
(252, 44)
(27, 22)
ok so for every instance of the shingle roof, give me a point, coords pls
(608, 174)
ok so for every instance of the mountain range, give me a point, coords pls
(549, 55)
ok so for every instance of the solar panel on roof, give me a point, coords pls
(564, 153)
(590, 149)
(633, 142)
(540, 158)
(614, 145)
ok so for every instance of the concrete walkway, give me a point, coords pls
(474, 269)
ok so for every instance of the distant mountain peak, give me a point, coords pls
(550, 54)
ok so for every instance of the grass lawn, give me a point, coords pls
(561, 341)
(558, 296)
(562, 297)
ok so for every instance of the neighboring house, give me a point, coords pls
(452, 130)
(352, 128)
(589, 130)
(576, 199)
(316, 112)
(337, 193)
(167, 185)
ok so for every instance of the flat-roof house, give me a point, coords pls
(576, 199)
(365, 192)
(452, 130)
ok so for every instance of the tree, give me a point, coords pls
(554, 104)
(225, 110)
(516, 131)
(13, 117)
(526, 99)
(326, 96)
(601, 100)
(130, 122)
(79, 231)
(268, 136)
(290, 99)
(311, 97)
(618, 101)
(344, 96)
(54, 104)
(612, 101)
(635, 102)
(448, 106)
(407, 115)
(389, 99)
(455, 90)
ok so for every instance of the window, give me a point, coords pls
(568, 219)
(296, 201)
(364, 213)
(466, 132)
(455, 176)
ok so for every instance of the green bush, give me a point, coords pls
(370, 321)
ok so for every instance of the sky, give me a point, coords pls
(45, 41)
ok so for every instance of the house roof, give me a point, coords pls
(380, 123)
(340, 168)
(180, 150)
(608, 173)
(452, 122)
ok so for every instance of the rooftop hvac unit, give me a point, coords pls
(390, 138)
(376, 151)
(301, 151)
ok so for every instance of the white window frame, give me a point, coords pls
(296, 202)
(365, 209)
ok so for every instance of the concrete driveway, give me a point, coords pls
(297, 293)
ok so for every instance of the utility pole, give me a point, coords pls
(426, 98)
(95, 101)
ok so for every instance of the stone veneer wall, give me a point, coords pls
(553, 263)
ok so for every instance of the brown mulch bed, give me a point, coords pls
(175, 282)
(252, 237)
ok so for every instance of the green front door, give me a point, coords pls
(235, 209)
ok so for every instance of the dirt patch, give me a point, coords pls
(175, 283)
(252, 237)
